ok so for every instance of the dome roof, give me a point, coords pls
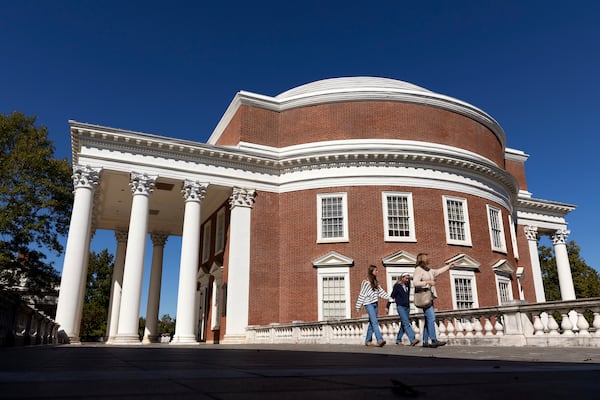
(351, 84)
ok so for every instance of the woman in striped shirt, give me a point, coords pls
(370, 291)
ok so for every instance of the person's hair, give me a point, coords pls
(423, 261)
(371, 276)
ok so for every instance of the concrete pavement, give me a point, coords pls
(297, 372)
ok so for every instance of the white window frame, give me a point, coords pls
(499, 229)
(461, 274)
(344, 201)
(467, 229)
(220, 234)
(343, 272)
(504, 279)
(513, 237)
(206, 242)
(392, 275)
(411, 220)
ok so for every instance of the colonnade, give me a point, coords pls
(565, 279)
(123, 314)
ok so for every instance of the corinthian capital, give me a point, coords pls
(560, 236)
(142, 183)
(242, 197)
(193, 190)
(531, 232)
(85, 176)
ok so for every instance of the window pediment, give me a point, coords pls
(503, 267)
(399, 258)
(333, 259)
(464, 262)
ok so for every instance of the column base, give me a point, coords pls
(184, 340)
(151, 339)
(126, 339)
(234, 339)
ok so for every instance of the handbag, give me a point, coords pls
(423, 298)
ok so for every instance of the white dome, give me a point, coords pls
(351, 84)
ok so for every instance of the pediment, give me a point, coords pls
(333, 259)
(464, 262)
(399, 258)
(503, 267)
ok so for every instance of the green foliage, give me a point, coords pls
(97, 295)
(166, 325)
(586, 280)
(35, 204)
(141, 327)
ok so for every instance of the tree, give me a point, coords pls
(586, 280)
(166, 325)
(97, 295)
(35, 205)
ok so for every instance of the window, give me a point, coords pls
(464, 290)
(334, 293)
(206, 242)
(220, 234)
(496, 229)
(456, 218)
(398, 220)
(332, 217)
(504, 287)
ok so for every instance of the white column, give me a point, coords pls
(185, 327)
(116, 286)
(83, 287)
(85, 180)
(536, 269)
(238, 276)
(151, 330)
(563, 267)
(127, 331)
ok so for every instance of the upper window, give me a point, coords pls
(220, 234)
(332, 217)
(464, 290)
(398, 219)
(456, 219)
(206, 242)
(496, 229)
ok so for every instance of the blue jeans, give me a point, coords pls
(429, 330)
(403, 312)
(373, 323)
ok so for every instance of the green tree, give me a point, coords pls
(586, 280)
(97, 295)
(35, 205)
(166, 325)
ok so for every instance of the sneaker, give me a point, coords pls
(415, 342)
(427, 345)
(381, 344)
(439, 343)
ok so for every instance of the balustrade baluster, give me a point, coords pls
(566, 325)
(468, 328)
(442, 330)
(477, 326)
(538, 326)
(596, 323)
(582, 325)
(487, 327)
(459, 328)
(450, 329)
(552, 326)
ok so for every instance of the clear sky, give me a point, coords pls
(172, 68)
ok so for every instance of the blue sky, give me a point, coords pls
(172, 68)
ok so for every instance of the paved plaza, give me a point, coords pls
(298, 372)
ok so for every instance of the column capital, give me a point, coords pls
(121, 235)
(142, 184)
(85, 176)
(193, 190)
(242, 197)
(560, 236)
(531, 232)
(159, 238)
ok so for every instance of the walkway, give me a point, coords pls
(297, 372)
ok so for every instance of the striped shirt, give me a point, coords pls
(369, 295)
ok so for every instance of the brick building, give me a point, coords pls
(293, 196)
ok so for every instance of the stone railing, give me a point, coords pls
(22, 325)
(556, 323)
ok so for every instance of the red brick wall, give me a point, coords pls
(517, 169)
(284, 243)
(362, 120)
